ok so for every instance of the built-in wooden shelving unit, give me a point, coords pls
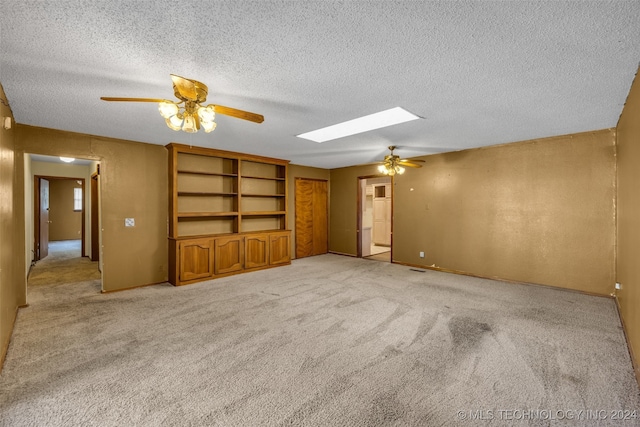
(227, 213)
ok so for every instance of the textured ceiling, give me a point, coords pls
(478, 72)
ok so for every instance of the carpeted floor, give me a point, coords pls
(63, 264)
(382, 256)
(329, 340)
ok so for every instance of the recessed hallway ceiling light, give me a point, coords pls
(362, 124)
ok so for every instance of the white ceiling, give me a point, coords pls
(54, 159)
(478, 72)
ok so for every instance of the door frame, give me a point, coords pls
(37, 222)
(36, 211)
(95, 218)
(359, 213)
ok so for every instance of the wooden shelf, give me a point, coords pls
(264, 177)
(206, 173)
(263, 195)
(222, 221)
(263, 213)
(205, 193)
(205, 214)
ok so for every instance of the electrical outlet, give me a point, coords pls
(421, 254)
(618, 286)
(129, 222)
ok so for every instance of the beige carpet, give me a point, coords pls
(63, 264)
(329, 340)
(383, 256)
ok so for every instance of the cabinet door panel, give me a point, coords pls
(196, 259)
(279, 248)
(228, 255)
(256, 251)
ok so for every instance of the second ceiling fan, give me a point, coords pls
(189, 114)
(393, 164)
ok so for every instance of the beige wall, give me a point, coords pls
(296, 171)
(133, 185)
(66, 223)
(538, 211)
(12, 282)
(628, 243)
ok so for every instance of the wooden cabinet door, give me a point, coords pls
(279, 248)
(256, 251)
(229, 254)
(196, 259)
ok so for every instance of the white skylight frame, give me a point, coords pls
(390, 117)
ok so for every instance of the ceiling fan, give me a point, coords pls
(393, 164)
(188, 114)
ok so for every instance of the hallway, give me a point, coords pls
(64, 268)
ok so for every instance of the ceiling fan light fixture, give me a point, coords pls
(175, 122)
(208, 126)
(391, 169)
(187, 114)
(167, 109)
(207, 114)
(189, 124)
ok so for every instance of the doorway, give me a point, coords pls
(375, 213)
(59, 212)
(63, 235)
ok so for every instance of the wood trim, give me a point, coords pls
(222, 153)
(95, 217)
(635, 363)
(36, 220)
(499, 279)
(343, 254)
(173, 194)
(83, 216)
(110, 291)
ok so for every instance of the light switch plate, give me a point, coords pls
(129, 222)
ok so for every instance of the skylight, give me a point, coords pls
(362, 124)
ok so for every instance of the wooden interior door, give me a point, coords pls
(43, 232)
(312, 224)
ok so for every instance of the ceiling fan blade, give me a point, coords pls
(185, 87)
(414, 161)
(108, 98)
(410, 163)
(239, 114)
